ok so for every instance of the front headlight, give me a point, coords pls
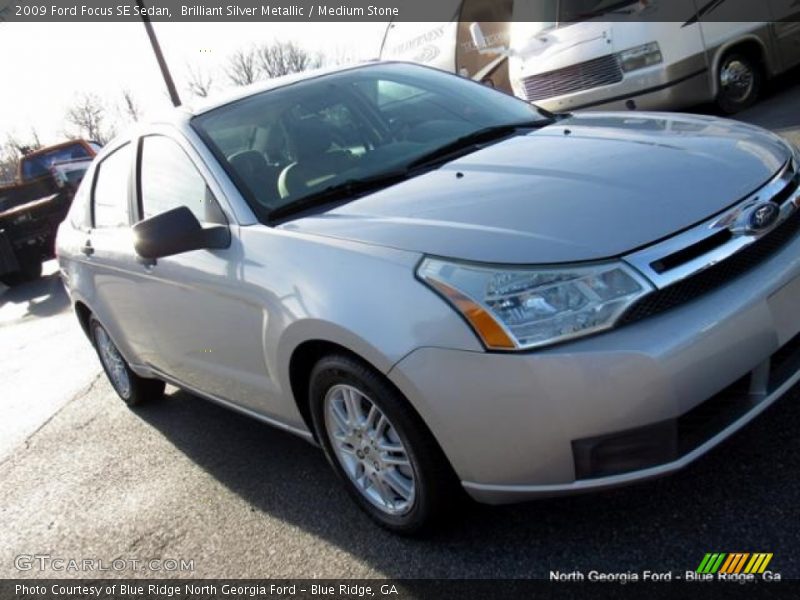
(640, 57)
(516, 308)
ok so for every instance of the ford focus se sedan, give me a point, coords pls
(445, 286)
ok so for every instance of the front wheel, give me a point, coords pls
(739, 80)
(31, 271)
(28, 271)
(389, 461)
(129, 386)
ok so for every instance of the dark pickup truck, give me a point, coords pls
(32, 208)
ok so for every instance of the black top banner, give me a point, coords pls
(685, 12)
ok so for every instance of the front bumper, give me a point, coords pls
(673, 86)
(517, 426)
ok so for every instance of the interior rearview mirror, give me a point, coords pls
(177, 231)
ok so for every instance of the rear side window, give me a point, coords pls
(169, 179)
(110, 207)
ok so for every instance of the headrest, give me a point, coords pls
(248, 162)
(311, 137)
(276, 140)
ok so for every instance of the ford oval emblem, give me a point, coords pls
(763, 216)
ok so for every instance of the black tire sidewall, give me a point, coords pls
(31, 271)
(729, 106)
(335, 370)
(141, 389)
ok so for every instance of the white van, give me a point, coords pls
(646, 54)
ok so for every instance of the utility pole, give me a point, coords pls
(173, 91)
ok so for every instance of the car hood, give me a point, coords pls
(587, 187)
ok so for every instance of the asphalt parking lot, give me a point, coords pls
(83, 477)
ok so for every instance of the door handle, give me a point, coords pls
(87, 248)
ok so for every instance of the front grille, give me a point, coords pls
(575, 78)
(713, 277)
(783, 196)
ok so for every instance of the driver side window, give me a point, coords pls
(168, 179)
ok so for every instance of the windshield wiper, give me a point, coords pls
(473, 141)
(345, 190)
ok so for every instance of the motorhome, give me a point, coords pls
(448, 44)
(567, 55)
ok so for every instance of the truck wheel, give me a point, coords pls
(129, 386)
(31, 271)
(739, 80)
(26, 272)
(380, 448)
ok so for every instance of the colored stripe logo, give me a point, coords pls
(735, 563)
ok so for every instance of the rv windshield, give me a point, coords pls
(543, 15)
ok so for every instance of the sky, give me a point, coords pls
(47, 66)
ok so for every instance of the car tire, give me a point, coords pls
(27, 272)
(31, 271)
(130, 387)
(740, 79)
(406, 482)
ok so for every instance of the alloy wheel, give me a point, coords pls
(369, 449)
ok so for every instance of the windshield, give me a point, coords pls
(354, 126)
(542, 15)
(39, 165)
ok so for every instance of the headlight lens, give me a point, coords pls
(640, 57)
(517, 308)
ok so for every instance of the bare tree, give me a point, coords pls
(36, 143)
(283, 58)
(9, 163)
(12, 150)
(88, 116)
(340, 55)
(9, 160)
(23, 147)
(130, 106)
(199, 81)
(242, 67)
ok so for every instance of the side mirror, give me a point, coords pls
(478, 38)
(177, 231)
(482, 46)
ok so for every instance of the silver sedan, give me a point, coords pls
(443, 286)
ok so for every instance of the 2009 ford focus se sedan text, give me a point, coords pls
(443, 285)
